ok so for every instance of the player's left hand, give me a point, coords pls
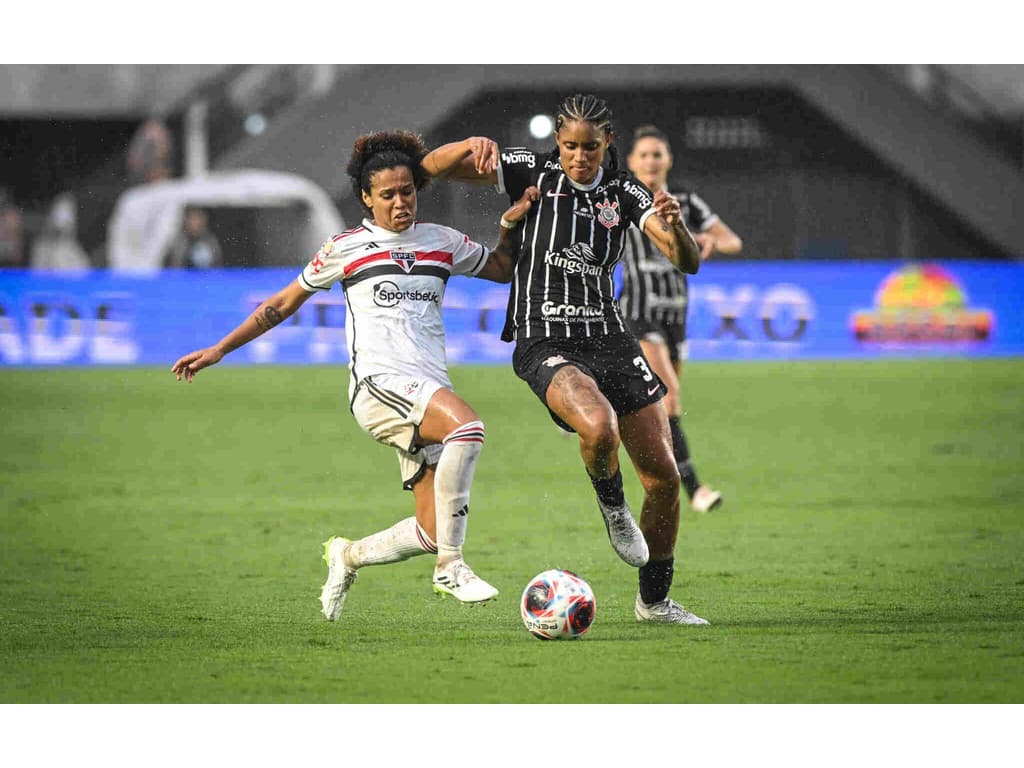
(189, 365)
(522, 206)
(706, 242)
(484, 152)
(667, 207)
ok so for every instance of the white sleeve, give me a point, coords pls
(323, 270)
(468, 256)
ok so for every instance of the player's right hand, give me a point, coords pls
(189, 365)
(484, 152)
(522, 206)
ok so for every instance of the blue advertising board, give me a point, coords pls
(738, 310)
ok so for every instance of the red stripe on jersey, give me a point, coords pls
(379, 256)
(348, 232)
(439, 256)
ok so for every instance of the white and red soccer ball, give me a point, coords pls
(557, 605)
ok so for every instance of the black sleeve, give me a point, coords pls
(637, 200)
(519, 169)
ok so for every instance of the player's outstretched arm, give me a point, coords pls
(718, 238)
(668, 232)
(271, 312)
(474, 160)
(501, 263)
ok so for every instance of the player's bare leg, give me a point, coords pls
(702, 497)
(575, 398)
(646, 437)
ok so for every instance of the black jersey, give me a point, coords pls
(572, 239)
(652, 288)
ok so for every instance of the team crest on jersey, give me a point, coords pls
(554, 360)
(411, 387)
(607, 213)
(406, 258)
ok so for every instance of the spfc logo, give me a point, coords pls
(406, 258)
(608, 213)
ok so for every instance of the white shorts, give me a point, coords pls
(390, 408)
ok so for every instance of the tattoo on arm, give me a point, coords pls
(269, 319)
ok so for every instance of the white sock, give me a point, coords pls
(401, 541)
(452, 480)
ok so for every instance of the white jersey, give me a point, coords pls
(394, 284)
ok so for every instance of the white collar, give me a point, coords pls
(384, 234)
(586, 187)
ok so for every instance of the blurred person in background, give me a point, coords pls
(150, 153)
(572, 347)
(195, 247)
(394, 270)
(57, 246)
(653, 298)
(12, 244)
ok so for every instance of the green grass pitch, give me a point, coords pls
(160, 542)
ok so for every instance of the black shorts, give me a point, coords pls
(615, 362)
(672, 335)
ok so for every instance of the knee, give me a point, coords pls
(600, 433)
(662, 479)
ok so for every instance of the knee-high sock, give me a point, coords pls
(452, 481)
(401, 541)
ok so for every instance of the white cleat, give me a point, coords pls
(339, 577)
(705, 499)
(625, 535)
(666, 612)
(458, 580)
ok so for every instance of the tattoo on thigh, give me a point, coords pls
(575, 390)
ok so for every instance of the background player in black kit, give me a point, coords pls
(653, 299)
(572, 346)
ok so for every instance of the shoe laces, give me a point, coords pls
(621, 521)
(461, 574)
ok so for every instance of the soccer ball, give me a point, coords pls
(557, 605)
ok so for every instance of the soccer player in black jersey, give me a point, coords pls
(572, 346)
(653, 299)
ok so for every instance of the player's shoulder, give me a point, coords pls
(632, 187)
(432, 230)
(346, 243)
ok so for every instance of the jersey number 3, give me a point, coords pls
(640, 363)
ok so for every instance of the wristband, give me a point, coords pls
(508, 224)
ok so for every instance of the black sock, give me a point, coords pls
(609, 490)
(655, 580)
(687, 472)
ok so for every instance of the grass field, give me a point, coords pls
(161, 543)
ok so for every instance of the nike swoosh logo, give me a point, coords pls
(652, 390)
(556, 194)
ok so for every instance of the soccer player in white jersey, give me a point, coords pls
(393, 270)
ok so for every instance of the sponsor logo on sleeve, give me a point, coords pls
(519, 157)
(643, 199)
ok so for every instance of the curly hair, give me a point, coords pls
(587, 108)
(374, 152)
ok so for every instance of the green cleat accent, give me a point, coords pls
(327, 550)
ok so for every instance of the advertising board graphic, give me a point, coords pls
(738, 310)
